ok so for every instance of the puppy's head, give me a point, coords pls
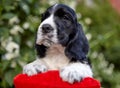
(59, 26)
(57, 23)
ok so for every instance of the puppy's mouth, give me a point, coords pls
(46, 42)
(46, 39)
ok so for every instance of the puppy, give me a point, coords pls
(61, 45)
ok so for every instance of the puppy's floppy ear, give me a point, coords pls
(77, 47)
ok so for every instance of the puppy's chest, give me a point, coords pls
(55, 58)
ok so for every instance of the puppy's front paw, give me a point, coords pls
(33, 68)
(75, 72)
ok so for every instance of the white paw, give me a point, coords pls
(34, 68)
(75, 72)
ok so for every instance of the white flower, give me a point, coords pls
(94, 54)
(16, 29)
(12, 49)
(89, 36)
(72, 4)
(14, 20)
(88, 21)
(29, 43)
(4, 42)
(52, 2)
(89, 3)
(26, 25)
(79, 15)
(8, 56)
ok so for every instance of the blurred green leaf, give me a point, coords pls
(4, 32)
(8, 15)
(25, 7)
(5, 66)
(8, 76)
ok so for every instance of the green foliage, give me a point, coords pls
(104, 43)
(19, 20)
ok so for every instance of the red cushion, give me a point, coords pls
(51, 79)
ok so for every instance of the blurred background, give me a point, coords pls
(19, 20)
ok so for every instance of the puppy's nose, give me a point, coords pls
(46, 28)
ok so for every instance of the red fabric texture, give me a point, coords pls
(51, 79)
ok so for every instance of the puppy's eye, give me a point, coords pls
(66, 17)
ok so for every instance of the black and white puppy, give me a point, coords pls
(61, 45)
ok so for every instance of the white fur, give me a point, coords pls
(50, 21)
(75, 72)
(54, 60)
(34, 67)
(40, 36)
